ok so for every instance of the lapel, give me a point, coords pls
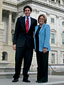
(31, 24)
(41, 30)
(23, 22)
(24, 26)
(36, 28)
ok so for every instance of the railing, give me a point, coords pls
(57, 69)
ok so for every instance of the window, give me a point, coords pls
(63, 38)
(63, 23)
(63, 58)
(52, 0)
(52, 38)
(4, 56)
(58, 1)
(52, 20)
(53, 58)
(12, 32)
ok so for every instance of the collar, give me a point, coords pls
(26, 16)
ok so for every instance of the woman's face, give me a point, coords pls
(41, 20)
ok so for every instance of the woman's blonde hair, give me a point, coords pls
(45, 19)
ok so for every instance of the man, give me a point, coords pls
(23, 43)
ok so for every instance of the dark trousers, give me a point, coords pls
(26, 54)
(42, 63)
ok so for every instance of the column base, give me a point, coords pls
(1, 25)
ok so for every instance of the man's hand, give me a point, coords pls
(14, 47)
(44, 50)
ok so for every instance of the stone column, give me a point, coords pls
(1, 24)
(59, 57)
(0, 10)
(47, 0)
(55, 1)
(48, 18)
(9, 29)
(61, 2)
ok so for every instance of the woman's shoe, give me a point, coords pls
(42, 81)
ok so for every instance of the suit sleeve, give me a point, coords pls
(47, 36)
(34, 31)
(16, 32)
(35, 24)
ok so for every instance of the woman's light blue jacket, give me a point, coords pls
(44, 37)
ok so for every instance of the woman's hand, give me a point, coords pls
(14, 47)
(44, 50)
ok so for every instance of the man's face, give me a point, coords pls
(27, 12)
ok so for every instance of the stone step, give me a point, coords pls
(10, 74)
(11, 70)
(52, 80)
(57, 73)
(6, 74)
(6, 69)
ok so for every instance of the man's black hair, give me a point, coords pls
(27, 7)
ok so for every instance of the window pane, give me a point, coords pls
(4, 55)
(63, 23)
(52, 0)
(63, 38)
(52, 20)
(12, 32)
(63, 58)
(58, 1)
(52, 38)
(53, 59)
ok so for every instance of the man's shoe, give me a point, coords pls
(28, 81)
(42, 81)
(15, 80)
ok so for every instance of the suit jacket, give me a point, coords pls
(21, 38)
(44, 37)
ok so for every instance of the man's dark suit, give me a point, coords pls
(24, 46)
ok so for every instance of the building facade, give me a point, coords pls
(10, 10)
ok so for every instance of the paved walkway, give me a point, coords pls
(53, 80)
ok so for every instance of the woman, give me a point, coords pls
(42, 48)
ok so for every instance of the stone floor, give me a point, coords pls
(52, 80)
